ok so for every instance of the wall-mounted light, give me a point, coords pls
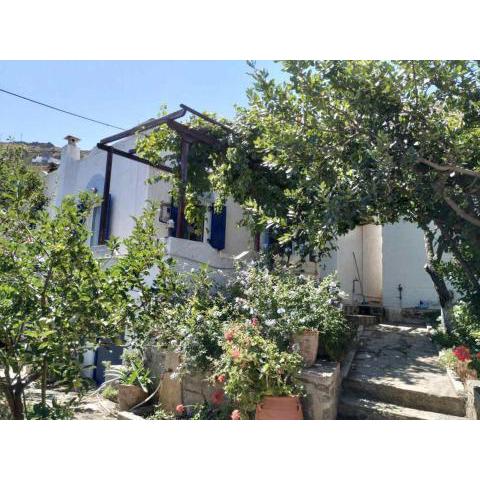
(164, 213)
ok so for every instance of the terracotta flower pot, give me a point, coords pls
(129, 396)
(307, 342)
(279, 408)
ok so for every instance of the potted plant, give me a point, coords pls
(258, 376)
(134, 379)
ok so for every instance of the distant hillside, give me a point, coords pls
(41, 149)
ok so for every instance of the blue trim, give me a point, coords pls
(217, 230)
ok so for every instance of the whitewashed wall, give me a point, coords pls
(404, 257)
(130, 194)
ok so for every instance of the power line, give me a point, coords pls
(59, 109)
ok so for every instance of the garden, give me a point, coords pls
(336, 145)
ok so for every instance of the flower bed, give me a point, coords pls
(248, 342)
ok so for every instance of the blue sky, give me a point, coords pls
(122, 93)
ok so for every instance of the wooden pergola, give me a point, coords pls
(187, 135)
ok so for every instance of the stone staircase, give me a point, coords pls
(395, 374)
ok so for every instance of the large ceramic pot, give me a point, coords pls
(279, 408)
(307, 342)
(129, 396)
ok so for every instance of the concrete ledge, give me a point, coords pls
(128, 416)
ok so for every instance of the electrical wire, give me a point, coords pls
(59, 109)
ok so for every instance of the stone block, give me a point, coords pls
(473, 399)
(321, 384)
(170, 392)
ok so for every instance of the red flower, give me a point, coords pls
(180, 409)
(478, 355)
(254, 321)
(228, 336)
(236, 415)
(462, 353)
(218, 397)
(221, 378)
(236, 353)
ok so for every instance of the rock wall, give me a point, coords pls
(473, 399)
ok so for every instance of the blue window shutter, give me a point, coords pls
(109, 217)
(217, 230)
(173, 216)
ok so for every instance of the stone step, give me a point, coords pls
(405, 321)
(406, 396)
(356, 407)
(364, 320)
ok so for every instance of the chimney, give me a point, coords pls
(71, 149)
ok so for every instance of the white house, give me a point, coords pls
(375, 264)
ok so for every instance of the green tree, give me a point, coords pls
(53, 293)
(342, 143)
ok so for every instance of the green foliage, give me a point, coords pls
(198, 411)
(133, 371)
(254, 366)
(343, 143)
(143, 283)
(161, 414)
(164, 145)
(53, 300)
(465, 331)
(192, 325)
(56, 411)
(110, 393)
(448, 359)
(283, 302)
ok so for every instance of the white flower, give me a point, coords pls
(270, 322)
(281, 311)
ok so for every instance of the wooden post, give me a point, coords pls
(181, 197)
(106, 193)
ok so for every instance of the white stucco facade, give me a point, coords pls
(130, 193)
(371, 261)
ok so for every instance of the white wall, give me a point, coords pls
(403, 261)
(346, 270)
(130, 193)
(372, 273)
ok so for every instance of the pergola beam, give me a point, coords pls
(145, 126)
(132, 156)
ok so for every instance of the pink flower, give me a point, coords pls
(218, 397)
(478, 355)
(228, 336)
(180, 409)
(221, 378)
(236, 415)
(254, 321)
(462, 353)
(235, 353)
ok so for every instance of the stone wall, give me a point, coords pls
(321, 383)
(473, 399)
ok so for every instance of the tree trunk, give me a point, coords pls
(444, 295)
(44, 382)
(14, 400)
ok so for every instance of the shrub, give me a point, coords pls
(194, 324)
(284, 302)
(252, 366)
(110, 393)
(133, 371)
(462, 360)
(56, 411)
